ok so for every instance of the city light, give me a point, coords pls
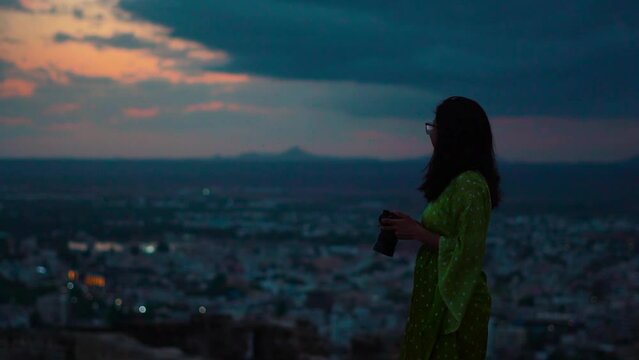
(72, 275)
(94, 280)
(148, 248)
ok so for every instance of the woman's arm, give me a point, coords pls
(410, 229)
(429, 238)
(461, 255)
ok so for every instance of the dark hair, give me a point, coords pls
(464, 142)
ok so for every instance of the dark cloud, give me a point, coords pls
(78, 13)
(14, 4)
(568, 58)
(120, 40)
(62, 37)
(4, 66)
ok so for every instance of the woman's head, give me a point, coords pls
(462, 140)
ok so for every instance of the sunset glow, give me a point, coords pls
(70, 68)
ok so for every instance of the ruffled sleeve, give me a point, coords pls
(461, 255)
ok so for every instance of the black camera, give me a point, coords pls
(386, 240)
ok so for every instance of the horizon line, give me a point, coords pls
(311, 158)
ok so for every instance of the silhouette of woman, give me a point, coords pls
(450, 303)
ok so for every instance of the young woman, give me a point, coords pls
(450, 303)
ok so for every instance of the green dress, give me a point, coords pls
(450, 304)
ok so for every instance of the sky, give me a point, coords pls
(182, 79)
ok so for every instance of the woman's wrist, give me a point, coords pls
(430, 239)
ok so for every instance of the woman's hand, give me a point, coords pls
(406, 228)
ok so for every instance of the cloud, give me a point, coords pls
(210, 106)
(118, 40)
(14, 121)
(37, 5)
(512, 57)
(16, 88)
(102, 43)
(141, 113)
(14, 4)
(208, 78)
(233, 107)
(63, 108)
(68, 126)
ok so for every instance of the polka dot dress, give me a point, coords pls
(450, 303)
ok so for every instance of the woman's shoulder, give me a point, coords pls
(465, 184)
(470, 181)
(470, 177)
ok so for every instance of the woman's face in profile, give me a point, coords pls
(433, 135)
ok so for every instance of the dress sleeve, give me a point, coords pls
(461, 255)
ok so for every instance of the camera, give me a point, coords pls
(386, 240)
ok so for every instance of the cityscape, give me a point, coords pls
(284, 273)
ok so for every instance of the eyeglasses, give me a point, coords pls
(429, 127)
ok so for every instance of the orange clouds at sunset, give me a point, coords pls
(36, 4)
(16, 88)
(219, 106)
(347, 80)
(64, 43)
(210, 106)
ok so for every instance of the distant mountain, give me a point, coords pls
(298, 154)
(590, 186)
(294, 153)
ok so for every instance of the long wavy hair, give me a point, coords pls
(464, 142)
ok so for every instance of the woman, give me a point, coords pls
(450, 304)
